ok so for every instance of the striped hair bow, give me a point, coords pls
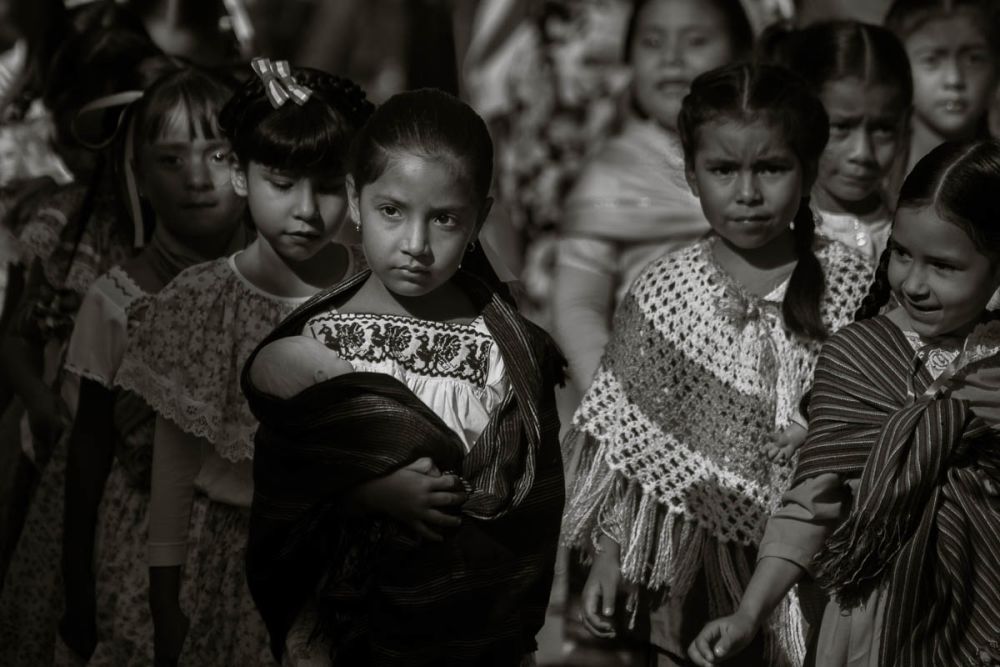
(278, 82)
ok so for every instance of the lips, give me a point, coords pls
(200, 204)
(953, 106)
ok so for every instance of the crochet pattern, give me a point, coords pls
(697, 377)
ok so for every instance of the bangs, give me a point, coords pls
(184, 103)
(307, 139)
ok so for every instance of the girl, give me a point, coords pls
(712, 348)
(953, 47)
(86, 229)
(894, 500)
(357, 554)
(289, 131)
(631, 203)
(182, 161)
(861, 74)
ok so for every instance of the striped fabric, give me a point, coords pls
(926, 520)
(479, 598)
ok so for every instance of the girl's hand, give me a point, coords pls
(417, 496)
(600, 593)
(170, 629)
(721, 639)
(784, 444)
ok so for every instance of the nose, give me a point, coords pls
(748, 190)
(954, 73)
(305, 202)
(199, 177)
(415, 240)
(672, 52)
(862, 149)
(914, 284)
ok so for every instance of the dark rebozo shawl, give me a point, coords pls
(924, 524)
(480, 597)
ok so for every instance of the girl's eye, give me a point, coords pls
(721, 170)
(697, 40)
(169, 160)
(929, 61)
(281, 185)
(446, 220)
(772, 169)
(389, 211)
(220, 156)
(651, 42)
(899, 252)
(884, 132)
(840, 128)
(946, 268)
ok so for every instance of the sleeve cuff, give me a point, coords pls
(167, 554)
(793, 554)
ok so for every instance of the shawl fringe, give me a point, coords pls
(663, 552)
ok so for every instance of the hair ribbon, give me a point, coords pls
(278, 82)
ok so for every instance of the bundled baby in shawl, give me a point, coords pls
(289, 365)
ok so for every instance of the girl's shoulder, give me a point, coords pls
(187, 346)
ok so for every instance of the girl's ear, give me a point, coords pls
(353, 201)
(238, 177)
(691, 180)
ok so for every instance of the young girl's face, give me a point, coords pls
(938, 275)
(186, 180)
(866, 125)
(417, 220)
(297, 215)
(674, 42)
(954, 74)
(749, 181)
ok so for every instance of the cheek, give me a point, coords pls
(709, 57)
(333, 209)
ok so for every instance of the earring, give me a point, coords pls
(472, 246)
(357, 226)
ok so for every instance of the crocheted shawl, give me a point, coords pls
(924, 523)
(634, 190)
(697, 377)
(384, 598)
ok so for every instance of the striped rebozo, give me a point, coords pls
(382, 597)
(925, 529)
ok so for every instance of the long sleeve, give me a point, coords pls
(177, 459)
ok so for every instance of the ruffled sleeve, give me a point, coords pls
(187, 346)
(99, 334)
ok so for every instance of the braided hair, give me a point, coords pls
(748, 92)
(313, 137)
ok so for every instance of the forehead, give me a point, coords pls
(961, 29)
(853, 96)
(413, 176)
(736, 139)
(678, 15)
(178, 123)
(923, 232)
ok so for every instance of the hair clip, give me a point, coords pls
(278, 82)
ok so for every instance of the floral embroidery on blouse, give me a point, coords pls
(426, 348)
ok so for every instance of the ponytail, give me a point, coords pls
(807, 283)
(878, 291)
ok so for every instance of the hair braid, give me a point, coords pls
(878, 291)
(807, 283)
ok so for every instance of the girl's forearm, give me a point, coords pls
(771, 581)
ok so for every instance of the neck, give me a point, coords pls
(863, 208)
(924, 139)
(272, 273)
(779, 252)
(447, 303)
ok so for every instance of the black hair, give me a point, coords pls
(907, 16)
(737, 23)
(834, 50)
(424, 122)
(960, 180)
(749, 92)
(299, 139)
(200, 94)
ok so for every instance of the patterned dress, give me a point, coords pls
(71, 251)
(184, 358)
(698, 376)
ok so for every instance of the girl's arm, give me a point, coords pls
(91, 452)
(583, 301)
(176, 461)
